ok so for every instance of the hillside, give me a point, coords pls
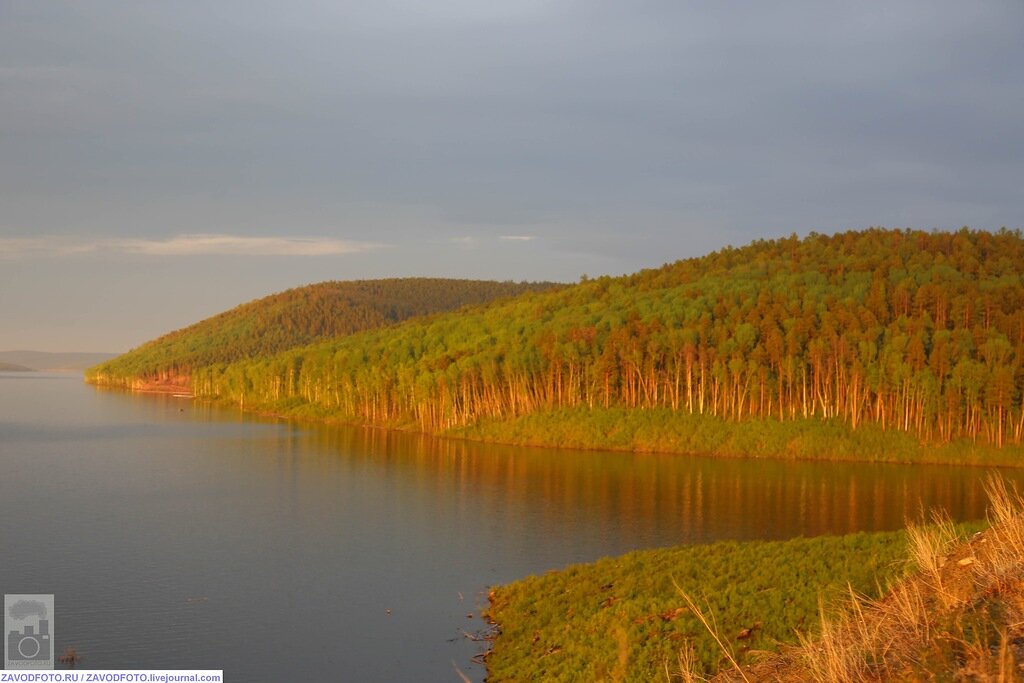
(14, 367)
(292, 318)
(869, 333)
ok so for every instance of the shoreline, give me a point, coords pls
(635, 598)
(990, 457)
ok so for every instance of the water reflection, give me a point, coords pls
(631, 499)
(661, 497)
(158, 498)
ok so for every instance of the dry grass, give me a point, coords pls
(958, 617)
(712, 628)
(1007, 542)
(929, 545)
(688, 667)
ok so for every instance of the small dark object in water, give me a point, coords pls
(70, 657)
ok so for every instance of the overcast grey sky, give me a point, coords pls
(163, 161)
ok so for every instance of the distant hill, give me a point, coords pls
(46, 360)
(14, 367)
(817, 344)
(292, 318)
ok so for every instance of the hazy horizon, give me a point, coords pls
(161, 163)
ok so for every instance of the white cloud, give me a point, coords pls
(517, 238)
(182, 245)
(465, 241)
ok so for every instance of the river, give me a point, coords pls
(178, 535)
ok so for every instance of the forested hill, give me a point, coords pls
(296, 317)
(921, 332)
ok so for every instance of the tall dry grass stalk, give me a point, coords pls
(1006, 514)
(959, 616)
(929, 545)
(856, 643)
(712, 628)
(834, 655)
(688, 667)
(876, 640)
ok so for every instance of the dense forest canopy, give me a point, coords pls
(916, 331)
(297, 317)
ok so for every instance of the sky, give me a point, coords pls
(164, 161)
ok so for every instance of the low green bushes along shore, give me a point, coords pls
(660, 430)
(623, 618)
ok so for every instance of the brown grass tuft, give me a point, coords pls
(688, 667)
(1007, 533)
(958, 617)
(929, 545)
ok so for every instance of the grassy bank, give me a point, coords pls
(623, 618)
(958, 617)
(661, 430)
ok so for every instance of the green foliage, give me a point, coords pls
(880, 330)
(662, 430)
(298, 317)
(582, 623)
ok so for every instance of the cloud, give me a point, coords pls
(182, 245)
(517, 238)
(465, 241)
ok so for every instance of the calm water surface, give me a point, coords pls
(177, 535)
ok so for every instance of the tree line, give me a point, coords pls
(916, 331)
(298, 317)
